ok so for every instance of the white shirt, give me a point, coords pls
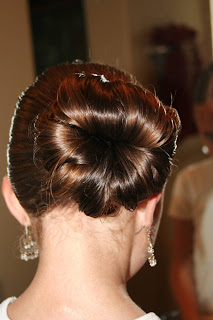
(5, 303)
(192, 200)
(3, 308)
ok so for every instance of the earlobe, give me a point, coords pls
(13, 204)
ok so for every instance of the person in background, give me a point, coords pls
(89, 154)
(192, 209)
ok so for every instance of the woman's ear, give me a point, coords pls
(146, 209)
(13, 204)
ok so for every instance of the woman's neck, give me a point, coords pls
(79, 277)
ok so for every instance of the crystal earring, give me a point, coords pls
(28, 247)
(151, 257)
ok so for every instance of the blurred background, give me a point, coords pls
(163, 43)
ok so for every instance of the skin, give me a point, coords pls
(182, 266)
(84, 262)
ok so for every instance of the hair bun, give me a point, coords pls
(101, 141)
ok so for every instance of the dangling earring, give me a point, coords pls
(28, 247)
(151, 258)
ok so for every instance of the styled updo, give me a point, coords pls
(89, 134)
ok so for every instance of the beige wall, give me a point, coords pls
(16, 72)
(146, 14)
(118, 30)
(108, 32)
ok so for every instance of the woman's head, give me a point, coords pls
(90, 135)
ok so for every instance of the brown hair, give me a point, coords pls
(89, 134)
